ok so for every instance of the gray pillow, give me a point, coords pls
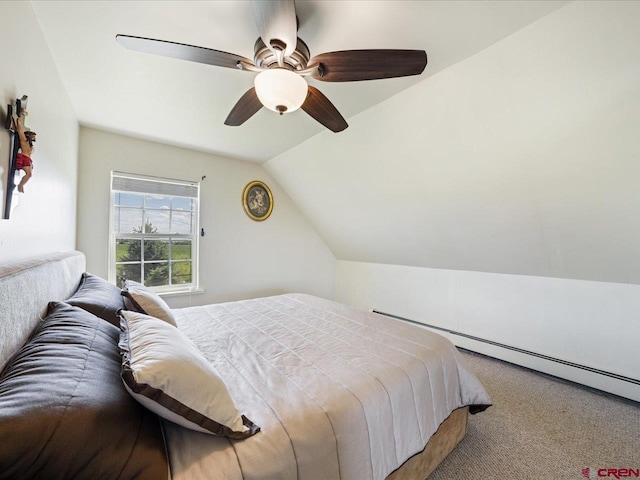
(64, 412)
(99, 297)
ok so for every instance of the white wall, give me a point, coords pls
(239, 258)
(502, 192)
(595, 324)
(521, 159)
(44, 219)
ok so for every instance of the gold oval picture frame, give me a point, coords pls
(257, 200)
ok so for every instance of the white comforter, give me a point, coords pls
(338, 392)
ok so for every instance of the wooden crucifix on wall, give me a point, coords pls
(16, 145)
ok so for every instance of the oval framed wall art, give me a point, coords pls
(257, 200)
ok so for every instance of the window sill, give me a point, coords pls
(185, 291)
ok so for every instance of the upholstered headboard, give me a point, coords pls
(26, 287)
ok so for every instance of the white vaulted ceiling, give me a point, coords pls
(522, 159)
(515, 151)
(185, 104)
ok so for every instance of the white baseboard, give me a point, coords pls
(598, 381)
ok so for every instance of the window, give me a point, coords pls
(154, 232)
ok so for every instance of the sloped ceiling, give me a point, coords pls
(515, 152)
(185, 104)
(522, 159)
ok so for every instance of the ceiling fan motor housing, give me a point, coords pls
(266, 58)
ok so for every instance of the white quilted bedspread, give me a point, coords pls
(339, 393)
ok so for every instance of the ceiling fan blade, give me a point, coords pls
(246, 107)
(321, 108)
(356, 65)
(276, 20)
(182, 51)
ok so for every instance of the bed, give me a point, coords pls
(331, 392)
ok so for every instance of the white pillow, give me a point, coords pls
(145, 300)
(164, 371)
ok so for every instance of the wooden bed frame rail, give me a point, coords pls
(449, 434)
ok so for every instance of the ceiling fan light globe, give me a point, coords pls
(281, 90)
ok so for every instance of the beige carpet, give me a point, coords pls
(542, 428)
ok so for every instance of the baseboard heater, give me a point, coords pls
(516, 349)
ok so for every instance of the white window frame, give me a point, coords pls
(156, 186)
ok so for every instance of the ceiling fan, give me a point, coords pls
(282, 60)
